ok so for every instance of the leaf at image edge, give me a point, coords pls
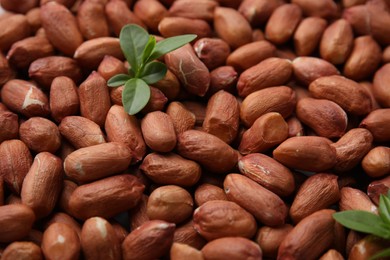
(384, 208)
(135, 95)
(170, 44)
(362, 221)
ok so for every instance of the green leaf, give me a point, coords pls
(118, 80)
(170, 44)
(153, 72)
(135, 95)
(384, 208)
(363, 221)
(381, 254)
(133, 40)
(148, 49)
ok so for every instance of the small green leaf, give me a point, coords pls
(118, 80)
(384, 208)
(153, 72)
(133, 40)
(363, 221)
(148, 49)
(381, 254)
(135, 95)
(170, 44)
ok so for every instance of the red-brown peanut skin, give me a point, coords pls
(213, 52)
(202, 9)
(106, 198)
(378, 123)
(206, 192)
(191, 72)
(42, 184)
(219, 218)
(171, 169)
(322, 8)
(24, 52)
(7, 73)
(2, 189)
(380, 87)
(376, 163)
(310, 237)
(308, 34)
(308, 153)
(308, 69)
(282, 23)
(40, 135)
(257, 12)
(183, 251)
(325, 117)
(223, 78)
(170, 203)
(25, 98)
(378, 187)
(182, 118)
(18, 6)
(91, 92)
(186, 234)
(175, 26)
(266, 132)
(267, 172)
(354, 199)
(81, 132)
(158, 131)
(22, 250)
(222, 116)
(91, 20)
(60, 241)
(60, 217)
(44, 70)
(274, 99)
(110, 66)
(233, 248)
(98, 161)
(337, 41)
(91, 52)
(263, 204)
(124, 128)
(9, 125)
(364, 59)
(151, 12)
(64, 99)
(232, 27)
(16, 27)
(99, 240)
(15, 163)
(250, 54)
(268, 73)
(208, 150)
(317, 192)
(348, 94)
(351, 148)
(269, 238)
(16, 222)
(66, 40)
(152, 240)
(118, 14)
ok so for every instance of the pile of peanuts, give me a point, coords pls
(273, 119)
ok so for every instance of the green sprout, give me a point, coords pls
(141, 50)
(370, 223)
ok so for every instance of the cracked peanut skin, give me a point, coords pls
(191, 72)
